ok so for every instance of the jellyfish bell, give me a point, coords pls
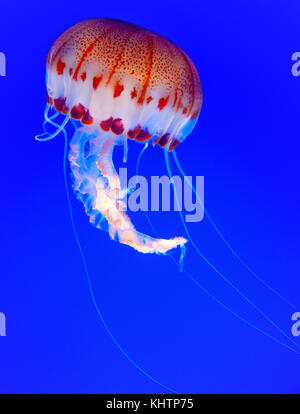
(119, 81)
(120, 77)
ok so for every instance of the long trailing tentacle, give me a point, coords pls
(226, 280)
(124, 353)
(244, 264)
(207, 292)
(121, 349)
(183, 248)
(237, 315)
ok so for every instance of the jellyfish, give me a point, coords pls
(117, 82)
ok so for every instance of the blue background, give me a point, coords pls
(246, 144)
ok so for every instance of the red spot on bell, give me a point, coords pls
(133, 93)
(87, 119)
(156, 141)
(174, 144)
(83, 76)
(96, 81)
(143, 135)
(118, 89)
(106, 125)
(117, 126)
(163, 102)
(133, 133)
(162, 142)
(70, 71)
(60, 105)
(78, 111)
(60, 66)
(149, 99)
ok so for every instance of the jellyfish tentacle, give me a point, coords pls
(146, 145)
(125, 148)
(206, 291)
(98, 186)
(52, 136)
(47, 120)
(108, 331)
(137, 173)
(107, 168)
(219, 273)
(244, 264)
(182, 247)
(79, 140)
(237, 315)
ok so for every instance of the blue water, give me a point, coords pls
(246, 145)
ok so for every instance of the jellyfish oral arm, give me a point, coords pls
(97, 185)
